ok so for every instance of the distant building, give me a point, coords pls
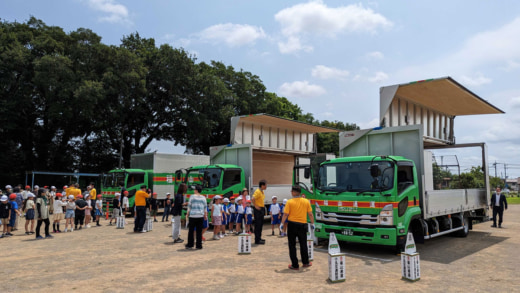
(513, 184)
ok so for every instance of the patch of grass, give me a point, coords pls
(513, 200)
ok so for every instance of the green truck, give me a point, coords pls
(381, 188)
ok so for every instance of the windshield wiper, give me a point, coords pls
(364, 192)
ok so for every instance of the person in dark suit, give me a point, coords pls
(498, 202)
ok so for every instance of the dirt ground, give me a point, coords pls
(106, 259)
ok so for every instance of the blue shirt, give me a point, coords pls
(14, 207)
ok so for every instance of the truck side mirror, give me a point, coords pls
(374, 171)
(178, 175)
(307, 172)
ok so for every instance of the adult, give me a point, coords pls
(154, 206)
(498, 202)
(81, 206)
(140, 209)
(167, 205)
(93, 194)
(259, 211)
(296, 211)
(197, 213)
(42, 214)
(176, 211)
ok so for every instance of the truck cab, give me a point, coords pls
(132, 180)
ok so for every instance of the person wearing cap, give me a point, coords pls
(167, 205)
(14, 213)
(26, 192)
(197, 213)
(216, 216)
(140, 209)
(274, 212)
(98, 208)
(259, 211)
(248, 216)
(240, 215)
(296, 211)
(69, 213)
(42, 213)
(57, 216)
(88, 210)
(116, 208)
(225, 215)
(126, 204)
(154, 206)
(81, 207)
(29, 214)
(5, 214)
(232, 210)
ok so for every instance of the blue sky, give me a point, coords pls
(331, 57)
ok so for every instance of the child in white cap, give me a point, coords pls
(240, 214)
(274, 211)
(57, 216)
(5, 213)
(216, 217)
(225, 216)
(29, 213)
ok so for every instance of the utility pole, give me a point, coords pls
(505, 175)
(495, 164)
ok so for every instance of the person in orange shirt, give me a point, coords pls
(140, 209)
(296, 211)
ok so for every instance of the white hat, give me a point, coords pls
(36, 186)
(30, 195)
(239, 198)
(285, 201)
(274, 196)
(8, 187)
(4, 198)
(167, 193)
(71, 196)
(117, 194)
(87, 195)
(226, 199)
(218, 197)
(53, 187)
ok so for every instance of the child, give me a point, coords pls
(99, 208)
(88, 211)
(70, 206)
(248, 216)
(58, 213)
(284, 232)
(29, 214)
(14, 212)
(216, 216)
(5, 213)
(274, 211)
(232, 210)
(225, 216)
(126, 205)
(240, 215)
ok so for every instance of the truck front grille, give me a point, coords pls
(349, 219)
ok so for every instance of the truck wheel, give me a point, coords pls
(464, 232)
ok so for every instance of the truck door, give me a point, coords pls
(306, 171)
(302, 177)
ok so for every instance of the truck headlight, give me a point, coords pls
(318, 211)
(386, 216)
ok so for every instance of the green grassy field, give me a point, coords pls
(513, 200)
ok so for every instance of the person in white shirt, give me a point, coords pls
(57, 216)
(498, 203)
(276, 216)
(216, 217)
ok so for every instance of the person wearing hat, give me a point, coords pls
(116, 208)
(216, 216)
(98, 208)
(57, 216)
(79, 216)
(259, 211)
(232, 210)
(5, 214)
(274, 212)
(14, 213)
(225, 215)
(88, 210)
(42, 213)
(167, 205)
(240, 215)
(296, 211)
(26, 192)
(69, 213)
(248, 216)
(29, 214)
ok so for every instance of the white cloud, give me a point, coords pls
(233, 35)
(514, 102)
(324, 72)
(327, 114)
(376, 55)
(301, 89)
(115, 12)
(292, 45)
(316, 18)
(378, 77)
(476, 80)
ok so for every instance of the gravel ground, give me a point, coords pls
(106, 259)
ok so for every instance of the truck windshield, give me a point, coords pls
(208, 178)
(355, 176)
(113, 179)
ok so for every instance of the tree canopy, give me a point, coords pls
(68, 101)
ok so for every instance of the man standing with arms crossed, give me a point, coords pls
(140, 209)
(296, 211)
(258, 202)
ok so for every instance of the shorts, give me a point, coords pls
(205, 224)
(225, 219)
(12, 221)
(115, 213)
(153, 213)
(240, 217)
(216, 220)
(249, 219)
(5, 221)
(29, 215)
(98, 212)
(69, 214)
(233, 218)
(276, 219)
(57, 216)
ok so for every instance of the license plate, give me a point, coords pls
(348, 232)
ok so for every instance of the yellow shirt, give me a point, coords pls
(140, 198)
(93, 193)
(297, 208)
(67, 191)
(259, 197)
(75, 192)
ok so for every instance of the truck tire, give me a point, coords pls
(464, 232)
